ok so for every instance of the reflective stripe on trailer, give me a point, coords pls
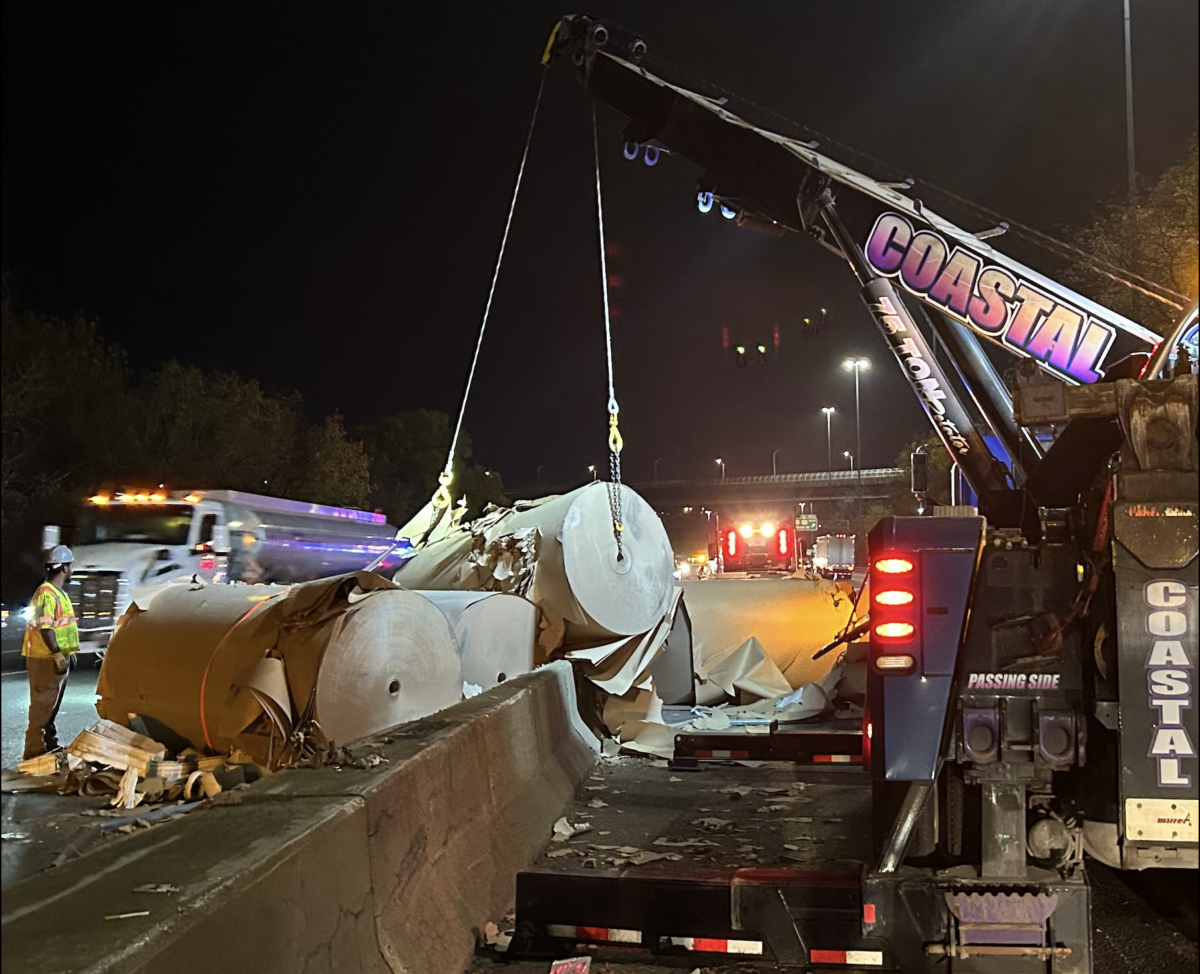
(837, 759)
(594, 935)
(720, 754)
(711, 946)
(867, 958)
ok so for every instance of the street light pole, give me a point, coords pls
(540, 468)
(592, 471)
(721, 463)
(858, 365)
(774, 472)
(1129, 159)
(657, 461)
(828, 411)
(849, 456)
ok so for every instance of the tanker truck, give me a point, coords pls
(132, 542)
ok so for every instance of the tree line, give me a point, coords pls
(77, 418)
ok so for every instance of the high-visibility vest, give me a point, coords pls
(50, 608)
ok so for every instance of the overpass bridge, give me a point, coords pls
(823, 487)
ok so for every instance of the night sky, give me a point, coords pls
(314, 197)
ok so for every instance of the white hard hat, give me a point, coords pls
(60, 554)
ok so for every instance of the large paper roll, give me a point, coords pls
(562, 554)
(394, 660)
(157, 657)
(347, 656)
(496, 633)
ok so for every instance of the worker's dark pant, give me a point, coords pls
(46, 688)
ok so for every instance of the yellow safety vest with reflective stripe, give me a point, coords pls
(50, 608)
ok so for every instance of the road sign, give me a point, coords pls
(807, 522)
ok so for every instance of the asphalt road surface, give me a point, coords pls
(77, 713)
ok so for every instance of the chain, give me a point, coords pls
(614, 483)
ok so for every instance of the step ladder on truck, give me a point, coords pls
(1030, 689)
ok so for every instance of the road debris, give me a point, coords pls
(110, 744)
(564, 830)
(682, 843)
(493, 936)
(43, 764)
(571, 965)
(126, 916)
(156, 888)
(127, 795)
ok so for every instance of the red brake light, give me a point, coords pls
(894, 566)
(783, 543)
(895, 630)
(894, 597)
(731, 542)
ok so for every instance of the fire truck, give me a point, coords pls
(756, 541)
(1031, 691)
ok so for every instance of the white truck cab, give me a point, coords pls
(131, 542)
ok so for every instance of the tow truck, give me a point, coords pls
(1031, 662)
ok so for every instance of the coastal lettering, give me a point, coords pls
(989, 299)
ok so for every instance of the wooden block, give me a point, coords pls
(43, 764)
(123, 735)
(103, 750)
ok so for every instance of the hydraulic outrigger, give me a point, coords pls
(1030, 688)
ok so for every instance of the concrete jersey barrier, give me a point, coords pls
(395, 869)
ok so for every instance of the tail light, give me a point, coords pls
(895, 663)
(731, 539)
(785, 545)
(893, 613)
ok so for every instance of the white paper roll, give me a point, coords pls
(496, 633)
(395, 660)
(562, 554)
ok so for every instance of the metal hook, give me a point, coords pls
(704, 202)
(649, 159)
(631, 150)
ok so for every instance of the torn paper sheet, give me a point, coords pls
(750, 670)
(791, 619)
(267, 681)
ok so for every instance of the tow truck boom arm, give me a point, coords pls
(777, 183)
